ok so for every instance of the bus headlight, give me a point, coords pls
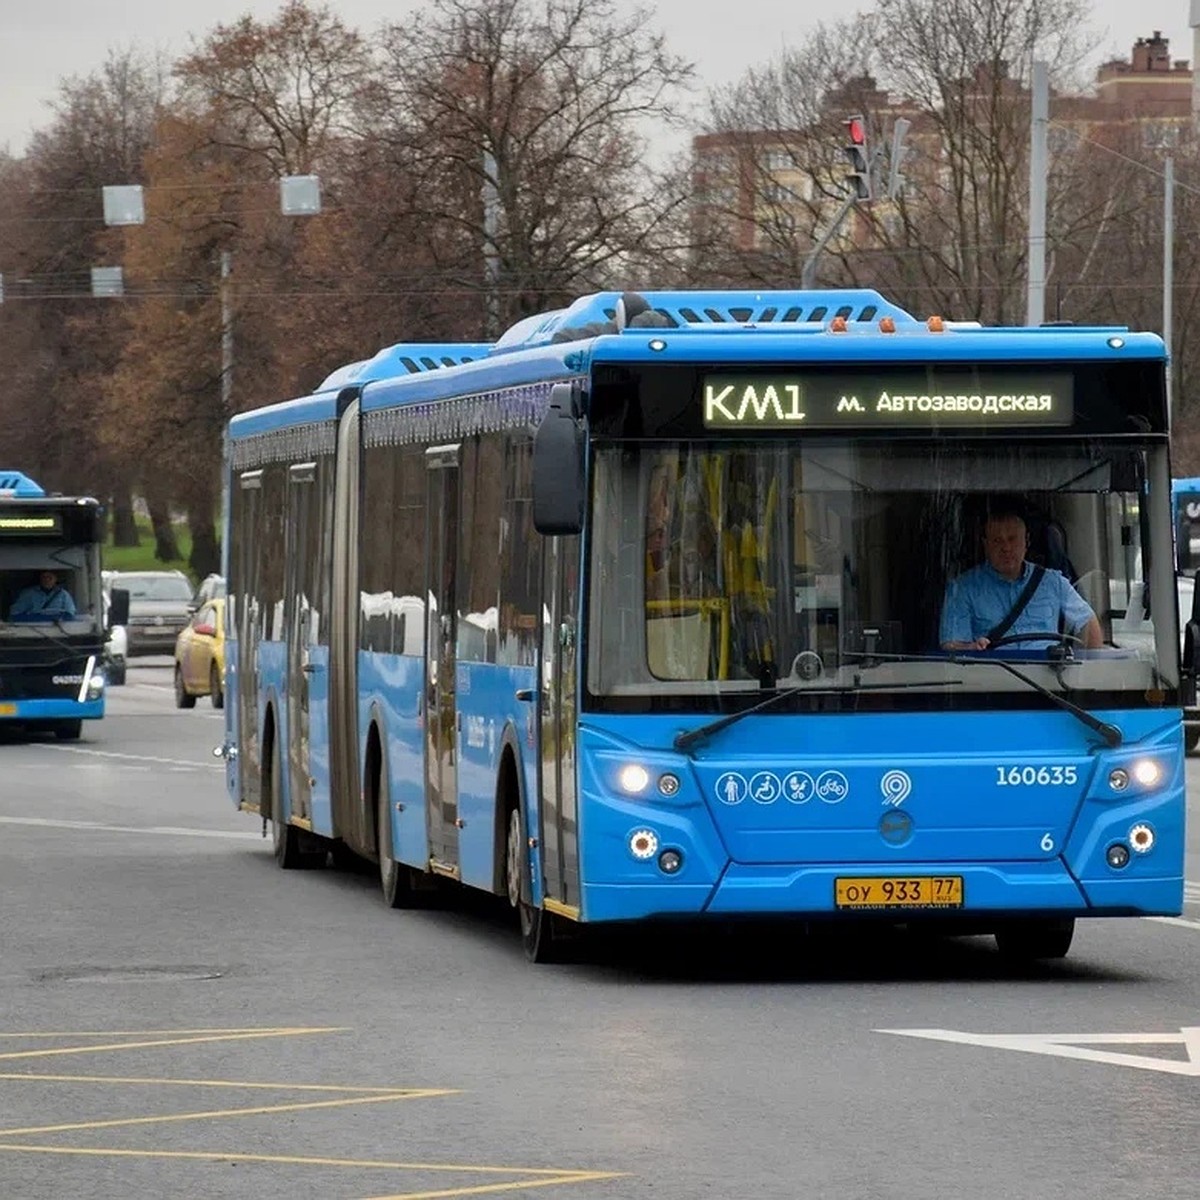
(1148, 772)
(633, 778)
(95, 687)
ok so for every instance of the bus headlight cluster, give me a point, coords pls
(95, 687)
(633, 779)
(1140, 841)
(1145, 772)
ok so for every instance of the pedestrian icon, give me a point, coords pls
(732, 788)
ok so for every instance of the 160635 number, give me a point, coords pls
(1036, 776)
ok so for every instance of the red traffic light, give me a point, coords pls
(856, 127)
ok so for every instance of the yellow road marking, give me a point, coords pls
(494, 1188)
(228, 1083)
(111, 1033)
(550, 1174)
(122, 1122)
(185, 1041)
(527, 1177)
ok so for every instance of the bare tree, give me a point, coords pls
(957, 69)
(101, 127)
(545, 104)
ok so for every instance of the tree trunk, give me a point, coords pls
(124, 527)
(206, 551)
(166, 548)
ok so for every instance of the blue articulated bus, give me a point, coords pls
(52, 619)
(642, 613)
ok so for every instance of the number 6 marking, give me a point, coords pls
(1047, 843)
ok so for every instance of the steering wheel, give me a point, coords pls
(1063, 639)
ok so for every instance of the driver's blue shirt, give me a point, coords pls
(35, 601)
(979, 599)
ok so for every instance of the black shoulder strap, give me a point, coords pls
(1018, 608)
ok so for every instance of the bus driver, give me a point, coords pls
(1007, 595)
(47, 598)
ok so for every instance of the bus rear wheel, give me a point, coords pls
(1031, 940)
(395, 879)
(1191, 738)
(292, 846)
(541, 937)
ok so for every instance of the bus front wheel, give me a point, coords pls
(1030, 940)
(1191, 738)
(68, 731)
(540, 935)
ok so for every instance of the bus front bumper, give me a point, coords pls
(991, 889)
(51, 710)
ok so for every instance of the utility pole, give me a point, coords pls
(226, 330)
(491, 254)
(1168, 269)
(1040, 120)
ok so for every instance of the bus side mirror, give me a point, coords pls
(558, 470)
(118, 607)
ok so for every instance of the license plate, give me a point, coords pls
(8, 710)
(899, 891)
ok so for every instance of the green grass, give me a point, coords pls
(141, 557)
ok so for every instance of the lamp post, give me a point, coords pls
(299, 196)
(1168, 271)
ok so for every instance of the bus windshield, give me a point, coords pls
(823, 566)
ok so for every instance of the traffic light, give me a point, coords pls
(858, 151)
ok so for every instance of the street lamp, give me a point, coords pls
(124, 204)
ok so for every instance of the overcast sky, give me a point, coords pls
(41, 41)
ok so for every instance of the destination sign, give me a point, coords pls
(800, 400)
(30, 523)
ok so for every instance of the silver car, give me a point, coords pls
(159, 607)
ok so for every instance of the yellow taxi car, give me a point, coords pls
(200, 657)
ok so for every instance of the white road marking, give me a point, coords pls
(1179, 922)
(142, 758)
(156, 830)
(1080, 1046)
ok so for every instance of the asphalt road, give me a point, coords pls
(180, 1018)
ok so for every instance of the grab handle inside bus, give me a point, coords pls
(558, 465)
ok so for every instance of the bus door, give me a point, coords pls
(302, 527)
(349, 820)
(558, 834)
(441, 715)
(246, 628)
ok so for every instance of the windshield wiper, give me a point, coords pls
(1112, 736)
(687, 738)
